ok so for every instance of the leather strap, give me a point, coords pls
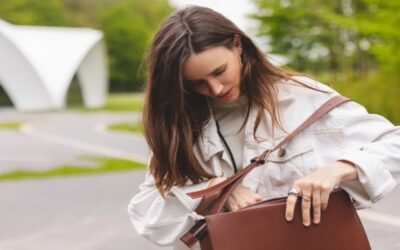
(325, 108)
(200, 228)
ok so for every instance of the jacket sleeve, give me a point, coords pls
(372, 143)
(163, 220)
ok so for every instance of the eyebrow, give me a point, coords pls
(212, 72)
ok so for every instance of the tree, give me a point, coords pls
(355, 43)
(128, 28)
(30, 12)
(310, 34)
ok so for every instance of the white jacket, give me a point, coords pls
(348, 132)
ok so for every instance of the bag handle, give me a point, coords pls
(198, 230)
(259, 160)
(325, 108)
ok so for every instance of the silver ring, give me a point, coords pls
(306, 198)
(294, 192)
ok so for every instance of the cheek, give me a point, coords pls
(232, 76)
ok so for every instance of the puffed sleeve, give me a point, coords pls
(372, 143)
(163, 220)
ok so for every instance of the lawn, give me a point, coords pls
(129, 127)
(10, 125)
(106, 165)
(121, 102)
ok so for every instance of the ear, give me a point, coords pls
(237, 43)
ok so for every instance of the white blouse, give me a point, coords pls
(347, 132)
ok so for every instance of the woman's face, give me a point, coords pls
(214, 72)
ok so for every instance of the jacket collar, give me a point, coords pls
(209, 142)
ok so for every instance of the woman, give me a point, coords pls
(213, 102)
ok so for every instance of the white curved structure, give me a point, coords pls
(37, 65)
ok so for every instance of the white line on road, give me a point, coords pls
(24, 158)
(102, 128)
(93, 148)
(379, 217)
(89, 147)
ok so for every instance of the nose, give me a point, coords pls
(215, 87)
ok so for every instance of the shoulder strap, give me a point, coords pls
(198, 230)
(259, 160)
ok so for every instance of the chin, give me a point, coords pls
(234, 96)
(231, 97)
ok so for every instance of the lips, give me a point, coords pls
(224, 95)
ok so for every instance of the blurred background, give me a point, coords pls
(52, 193)
(352, 45)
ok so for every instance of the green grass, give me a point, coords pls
(106, 165)
(378, 93)
(127, 127)
(125, 102)
(10, 125)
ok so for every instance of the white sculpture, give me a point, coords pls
(37, 65)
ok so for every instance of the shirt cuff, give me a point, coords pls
(374, 180)
(181, 194)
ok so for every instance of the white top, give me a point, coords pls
(348, 132)
(230, 117)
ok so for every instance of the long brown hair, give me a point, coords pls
(173, 117)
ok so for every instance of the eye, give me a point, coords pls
(219, 71)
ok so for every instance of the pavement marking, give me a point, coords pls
(89, 147)
(24, 158)
(102, 128)
(380, 217)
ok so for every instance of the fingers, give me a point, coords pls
(306, 204)
(290, 206)
(314, 199)
(316, 205)
(326, 191)
(231, 204)
(242, 197)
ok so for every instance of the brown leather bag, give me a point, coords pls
(262, 226)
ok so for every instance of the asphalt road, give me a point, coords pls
(80, 213)
(49, 140)
(90, 212)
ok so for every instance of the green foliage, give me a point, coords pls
(352, 44)
(122, 102)
(74, 95)
(125, 102)
(127, 25)
(33, 12)
(342, 35)
(5, 100)
(10, 125)
(130, 127)
(106, 165)
(377, 92)
(309, 34)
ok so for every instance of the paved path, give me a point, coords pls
(80, 213)
(49, 140)
(90, 212)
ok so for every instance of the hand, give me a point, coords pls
(317, 186)
(207, 201)
(242, 197)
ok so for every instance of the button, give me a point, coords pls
(281, 152)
